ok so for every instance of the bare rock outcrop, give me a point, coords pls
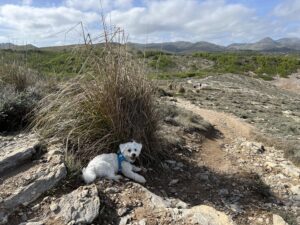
(155, 209)
(23, 182)
(16, 150)
(78, 207)
(277, 220)
(205, 215)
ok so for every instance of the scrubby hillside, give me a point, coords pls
(273, 111)
(218, 148)
(64, 63)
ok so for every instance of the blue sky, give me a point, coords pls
(45, 23)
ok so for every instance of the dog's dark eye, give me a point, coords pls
(129, 150)
(135, 150)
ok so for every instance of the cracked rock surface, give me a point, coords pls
(22, 183)
(78, 207)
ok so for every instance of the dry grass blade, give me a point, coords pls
(17, 76)
(110, 104)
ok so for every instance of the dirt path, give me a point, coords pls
(230, 127)
(236, 153)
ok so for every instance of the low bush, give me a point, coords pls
(178, 122)
(162, 62)
(189, 121)
(53, 63)
(20, 90)
(17, 76)
(153, 54)
(96, 111)
(15, 108)
(265, 66)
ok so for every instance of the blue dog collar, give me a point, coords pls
(121, 158)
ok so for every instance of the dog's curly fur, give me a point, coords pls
(106, 165)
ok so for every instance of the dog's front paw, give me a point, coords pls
(137, 169)
(117, 178)
(141, 180)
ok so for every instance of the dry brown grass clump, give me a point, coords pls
(17, 76)
(97, 110)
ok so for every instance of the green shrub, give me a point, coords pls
(242, 62)
(151, 54)
(162, 62)
(58, 63)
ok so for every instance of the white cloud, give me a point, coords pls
(191, 20)
(27, 2)
(37, 23)
(288, 9)
(123, 3)
(97, 5)
(219, 21)
(3, 39)
(86, 5)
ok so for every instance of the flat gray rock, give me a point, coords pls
(204, 215)
(15, 151)
(25, 184)
(78, 207)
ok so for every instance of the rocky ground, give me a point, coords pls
(217, 173)
(270, 183)
(27, 170)
(273, 111)
(292, 83)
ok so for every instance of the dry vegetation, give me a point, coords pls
(20, 90)
(97, 110)
(19, 77)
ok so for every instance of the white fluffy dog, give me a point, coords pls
(108, 165)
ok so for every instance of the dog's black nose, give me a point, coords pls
(133, 155)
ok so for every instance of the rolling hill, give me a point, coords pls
(181, 46)
(283, 45)
(268, 44)
(265, 45)
(17, 47)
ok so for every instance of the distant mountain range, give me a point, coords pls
(17, 47)
(181, 46)
(264, 45)
(267, 44)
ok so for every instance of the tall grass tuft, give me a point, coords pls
(109, 103)
(17, 76)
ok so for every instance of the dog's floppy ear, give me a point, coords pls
(122, 147)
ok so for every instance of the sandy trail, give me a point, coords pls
(230, 127)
